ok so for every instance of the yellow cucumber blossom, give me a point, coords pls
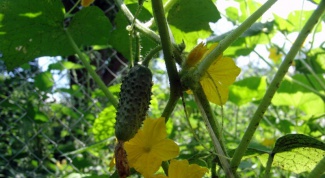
(219, 76)
(274, 54)
(150, 146)
(182, 169)
(86, 3)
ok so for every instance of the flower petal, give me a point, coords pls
(182, 169)
(195, 55)
(195, 171)
(220, 75)
(86, 3)
(214, 92)
(178, 169)
(165, 149)
(147, 164)
(154, 130)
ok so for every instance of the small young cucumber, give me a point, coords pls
(134, 102)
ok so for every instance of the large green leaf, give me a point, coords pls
(296, 152)
(292, 94)
(30, 29)
(190, 20)
(295, 21)
(247, 90)
(90, 26)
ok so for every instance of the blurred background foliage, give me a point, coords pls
(55, 122)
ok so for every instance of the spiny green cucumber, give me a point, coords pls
(133, 102)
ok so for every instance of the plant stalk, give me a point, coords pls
(213, 128)
(265, 102)
(174, 80)
(225, 43)
(269, 165)
(138, 25)
(91, 71)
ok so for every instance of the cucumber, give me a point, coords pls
(134, 101)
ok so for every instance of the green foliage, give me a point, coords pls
(73, 134)
(297, 153)
(103, 126)
(40, 30)
(189, 20)
(247, 90)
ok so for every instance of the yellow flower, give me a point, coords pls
(219, 76)
(182, 169)
(149, 147)
(274, 54)
(86, 3)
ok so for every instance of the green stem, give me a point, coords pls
(225, 43)
(213, 128)
(269, 165)
(150, 55)
(91, 71)
(138, 25)
(68, 14)
(172, 101)
(265, 102)
(175, 89)
(318, 170)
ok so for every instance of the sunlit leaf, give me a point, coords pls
(103, 126)
(292, 94)
(189, 20)
(297, 153)
(44, 81)
(247, 90)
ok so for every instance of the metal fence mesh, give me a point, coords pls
(47, 110)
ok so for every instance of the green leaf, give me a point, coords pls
(295, 21)
(297, 153)
(292, 94)
(90, 26)
(307, 102)
(194, 15)
(232, 13)
(44, 81)
(103, 126)
(189, 20)
(247, 8)
(31, 29)
(299, 18)
(247, 90)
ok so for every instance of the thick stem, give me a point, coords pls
(265, 102)
(92, 72)
(175, 85)
(172, 101)
(269, 165)
(213, 128)
(225, 43)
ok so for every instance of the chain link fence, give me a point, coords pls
(47, 110)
